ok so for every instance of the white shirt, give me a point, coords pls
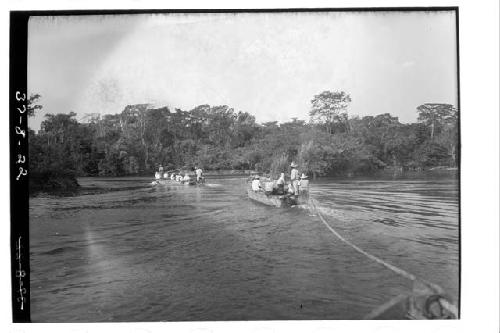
(268, 186)
(294, 175)
(255, 184)
(198, 172)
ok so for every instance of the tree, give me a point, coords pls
(329, 108)
(218, 137)
(436, 115)
(31, 104)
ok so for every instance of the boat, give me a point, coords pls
(430, 306)
(276, 200)
(174, 182)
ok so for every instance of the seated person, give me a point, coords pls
(172, 176)
(256, 184)
(280, 184)
(304, 184)
(157, 175)
(268, 187)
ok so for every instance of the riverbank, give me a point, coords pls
(50, 181)
(385, 171)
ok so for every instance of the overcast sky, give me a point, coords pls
(268, 64)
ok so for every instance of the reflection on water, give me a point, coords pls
(122, 250)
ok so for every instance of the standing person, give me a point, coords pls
(160, 169)
(294, 178)
(199, 174)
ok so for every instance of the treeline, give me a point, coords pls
(141, 137)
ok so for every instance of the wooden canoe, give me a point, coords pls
(173, 182)
(276, 200)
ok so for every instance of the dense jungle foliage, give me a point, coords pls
(141, 137)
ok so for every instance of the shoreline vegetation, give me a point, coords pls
(222, 140)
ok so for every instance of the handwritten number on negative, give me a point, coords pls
(22, 172)
(20, 159)
(20, 131)
(20, 98)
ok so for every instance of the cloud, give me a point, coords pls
(408, 64)
(269, 65)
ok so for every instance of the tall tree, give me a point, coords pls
(435, 115)
(32, 104)
(330, 107)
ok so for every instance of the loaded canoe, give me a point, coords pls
(173, 182)
(276, 200)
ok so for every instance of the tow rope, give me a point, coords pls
(436, 290)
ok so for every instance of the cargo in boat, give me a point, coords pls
(276, 200)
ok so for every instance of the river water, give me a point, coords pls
(123, 250)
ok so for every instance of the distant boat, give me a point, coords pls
(174, 182)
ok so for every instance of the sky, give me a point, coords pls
(268, 64)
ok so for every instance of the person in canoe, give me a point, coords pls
(256, 183)
(160, 169)
(280, 184)
(294, 178)
(268, 186)
(186, 179)
(172, 176)
(199, 174)
(304, 184)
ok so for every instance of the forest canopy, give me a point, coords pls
(141, 137)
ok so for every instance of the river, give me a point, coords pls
(122, 250)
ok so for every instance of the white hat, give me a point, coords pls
(304, 176)
(256, 177)
(293, 165)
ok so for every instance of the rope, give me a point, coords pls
(384, 307)
(393, 268)
(447, 305)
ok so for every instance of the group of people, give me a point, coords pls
(181, 176)
(297, 185)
